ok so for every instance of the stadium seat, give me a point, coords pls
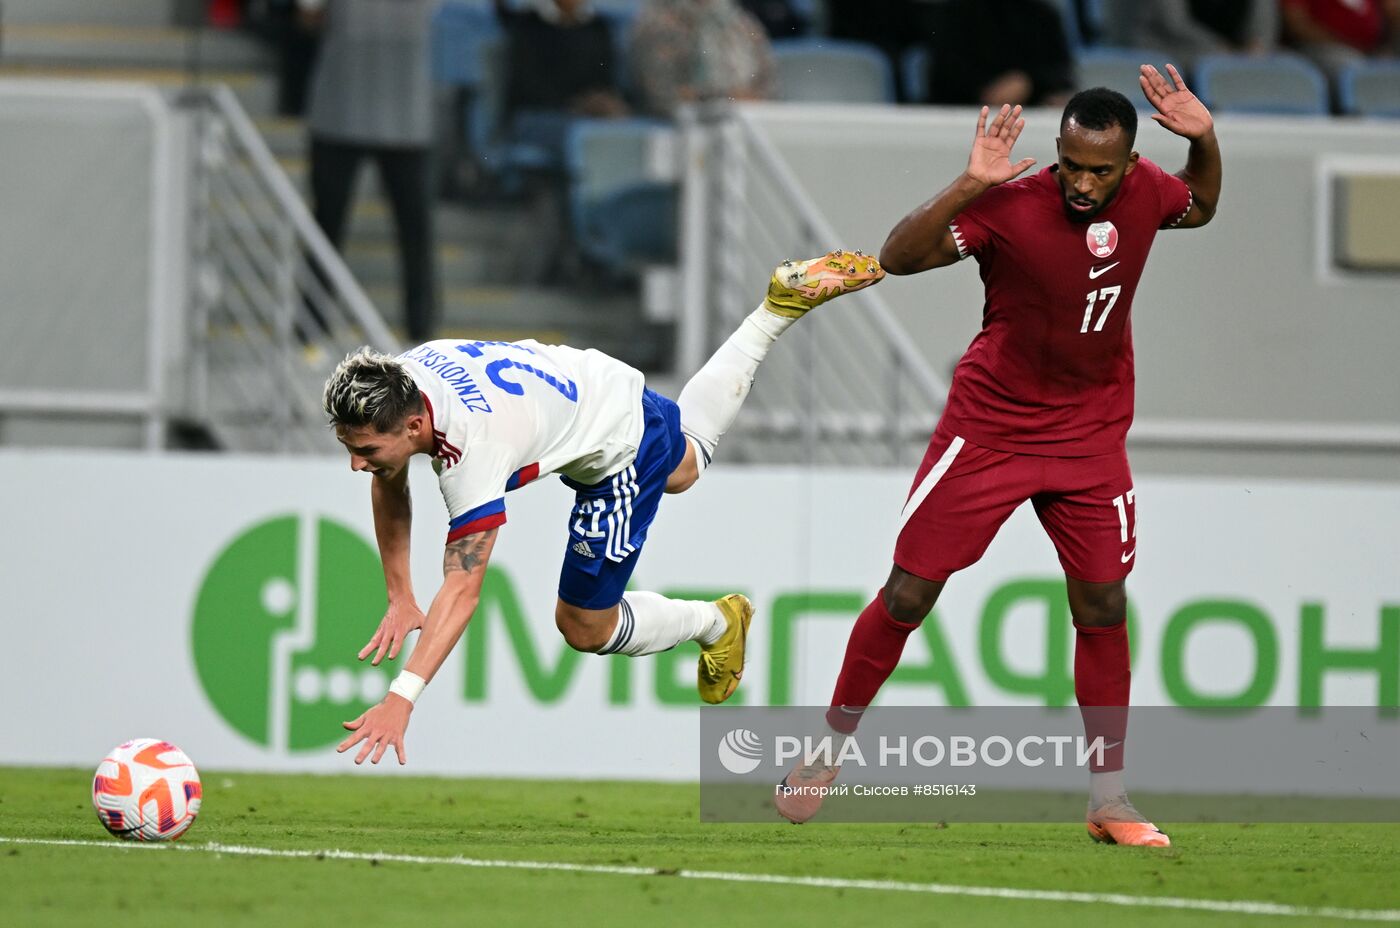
(621, 216)
(460, 31)
(914, 66)
(469, 62)
(1280, 84)
(1371, 88)
(1117, 69)
(832, 71)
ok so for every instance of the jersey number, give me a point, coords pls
(1093, 296)
(496, 370)
(596, 507)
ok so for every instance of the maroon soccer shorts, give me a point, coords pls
(963, 493)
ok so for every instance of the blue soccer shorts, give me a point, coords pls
(609, 523)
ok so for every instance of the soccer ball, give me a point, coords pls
(146, 790)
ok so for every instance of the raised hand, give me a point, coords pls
(393, 629)
(990, 161)
(1178, 110)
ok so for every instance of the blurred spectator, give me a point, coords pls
(999, 51)
(1336, 33)
(694, 50)
(559, 65)
(780, 19)
(892, 26)
(371, 97)
(277, 22)
(1187, 29)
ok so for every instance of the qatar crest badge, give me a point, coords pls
(1102, 239)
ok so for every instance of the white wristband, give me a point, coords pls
(408, 685)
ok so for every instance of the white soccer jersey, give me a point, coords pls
(504, 413)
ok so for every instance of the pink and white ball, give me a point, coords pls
(146, 790)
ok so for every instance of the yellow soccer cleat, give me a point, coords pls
(799, 286)
(1118, 822)
(722, 663)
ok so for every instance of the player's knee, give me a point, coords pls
(909, 599)
(580, 634)
(682, 479)
(686, 472)
(1100, 604)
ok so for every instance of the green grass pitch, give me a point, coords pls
(652, 827)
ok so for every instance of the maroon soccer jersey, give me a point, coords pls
(1051, 372)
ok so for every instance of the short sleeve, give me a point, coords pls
(474, 489)
(976, 228)
(1175, 199)
(970, 233)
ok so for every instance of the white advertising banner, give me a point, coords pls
(219, 602)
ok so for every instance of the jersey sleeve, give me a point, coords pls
(976, 228)
(971, 232)
(1175, 198)
(474, 490)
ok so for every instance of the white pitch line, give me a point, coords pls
(1240, 907)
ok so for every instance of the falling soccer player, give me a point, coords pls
(1041, 402)
(496, 415)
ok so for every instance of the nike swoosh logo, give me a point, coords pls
(1096, 272)
(1129, 556)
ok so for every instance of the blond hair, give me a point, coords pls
(370, 388)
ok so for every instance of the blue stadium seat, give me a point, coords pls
(469, 60)
(1117, 69)
(914, 66)
(620, 216)
(832, 71)
(1371, 88)
(460, 32)
(1282, 84)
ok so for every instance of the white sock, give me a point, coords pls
(711, 399)
(1105, 788)
(649, 622)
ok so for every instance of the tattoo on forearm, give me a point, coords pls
(469, 552)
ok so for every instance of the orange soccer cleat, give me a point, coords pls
(1117, 822)
(799, 796)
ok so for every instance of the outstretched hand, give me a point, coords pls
(393, 630)
(1178, 110)
(990, 161)
(379, 727)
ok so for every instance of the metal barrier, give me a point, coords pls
(160, 269)
(90, 313)
(273, 306)
(843, 387)
(850, 385)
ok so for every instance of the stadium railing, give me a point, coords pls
(154, 236)
(273, 306)
(842, 388)
(846, 387)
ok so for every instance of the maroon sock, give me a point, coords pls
(1101, 684)
(872, 652)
